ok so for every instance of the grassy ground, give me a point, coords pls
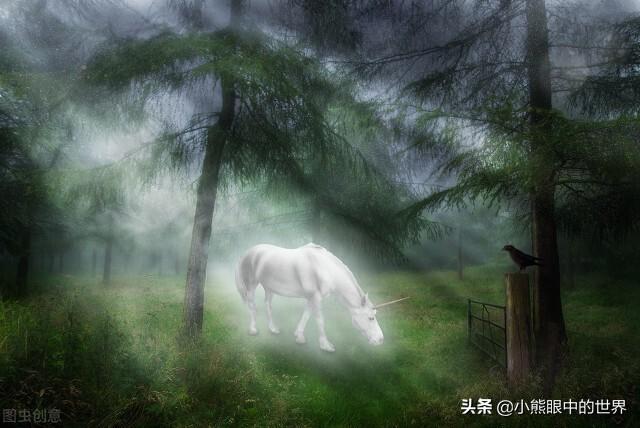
(111, 356)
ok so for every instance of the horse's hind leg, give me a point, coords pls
(299, 333)
(251, 302)
(268, 295)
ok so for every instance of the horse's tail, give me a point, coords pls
(241, 283)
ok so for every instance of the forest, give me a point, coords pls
(147, 145)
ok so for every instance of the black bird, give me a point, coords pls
(523, 260)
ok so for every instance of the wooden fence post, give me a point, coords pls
(518, 328)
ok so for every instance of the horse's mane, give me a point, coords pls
(353, 277)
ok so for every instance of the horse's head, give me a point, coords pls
(364, 319)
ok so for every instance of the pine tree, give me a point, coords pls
(274, 119)
(490, 109)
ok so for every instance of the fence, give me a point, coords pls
(487, 329)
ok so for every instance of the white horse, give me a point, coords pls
(310, 272)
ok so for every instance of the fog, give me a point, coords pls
(443, 151)
(155, 213)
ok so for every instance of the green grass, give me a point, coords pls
(112, 356)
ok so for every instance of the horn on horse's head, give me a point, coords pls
(390, 303)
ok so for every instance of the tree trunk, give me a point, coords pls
(549, 328)
(61, 261)
(106, 273)
(460, 261)
(571, 264)
(201, 234)
(205, 205)
(23, 264)
(549, 321)
(5, 284)
(206, 199)
(94, 263)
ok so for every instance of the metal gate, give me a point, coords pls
(487, 329)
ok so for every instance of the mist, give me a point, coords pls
(441, 151)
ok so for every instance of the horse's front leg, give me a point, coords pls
(316, 305)
(272, 326)
(299, 333)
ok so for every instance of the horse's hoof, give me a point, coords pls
(300, 340)
(274, 330)
(327, 346)
(253, 332)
